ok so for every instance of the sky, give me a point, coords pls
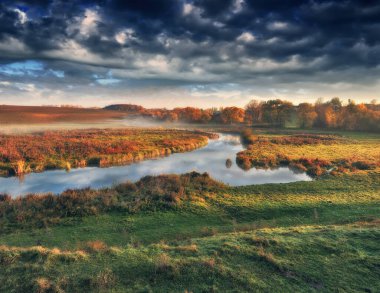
(203, 53)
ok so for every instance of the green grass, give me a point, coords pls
(304, 259)
(305, 236)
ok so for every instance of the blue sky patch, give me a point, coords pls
(30, 68)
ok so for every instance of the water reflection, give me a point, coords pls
(211, 159)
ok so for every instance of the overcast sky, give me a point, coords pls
(167, 53)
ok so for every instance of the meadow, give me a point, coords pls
(190, 233)
(315, 153)
(40, 151)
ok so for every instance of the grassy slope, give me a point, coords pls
(299, 237)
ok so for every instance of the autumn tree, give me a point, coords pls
(360, 117)
(328, 113)
(253, 112)
(206, 115)
(172, 116)
(277, 111)
(306, 115)
(231, 115)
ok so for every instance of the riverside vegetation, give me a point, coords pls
(36, 152)
(317, 154)
(189, 233)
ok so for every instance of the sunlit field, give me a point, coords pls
(315, 153)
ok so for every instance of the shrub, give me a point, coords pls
(361, 165)
(315, 171)
(247, 137)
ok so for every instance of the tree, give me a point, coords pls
(172, 116)
(336, 104)
(253, 112)
(328, 113)
(206, 115)
(231, 115)
(306, 115)
(188, 114)
(277, 111)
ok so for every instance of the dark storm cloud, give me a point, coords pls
(180, 42)
(155, 9)
(343, 23)
(213, 8)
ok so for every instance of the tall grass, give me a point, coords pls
(149, 193)
(21, 154)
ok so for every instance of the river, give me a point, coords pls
(211, 158)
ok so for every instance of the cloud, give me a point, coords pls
(106, 80)
(246, 37)
(187, 8)
(171, 44)
(126, 35)
(89, 22)
(26, 87)
(21, 16)
(278, 25)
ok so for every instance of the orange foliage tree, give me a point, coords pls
(231, 115)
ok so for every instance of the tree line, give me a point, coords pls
(333, 114)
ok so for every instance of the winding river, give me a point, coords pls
(211, 158)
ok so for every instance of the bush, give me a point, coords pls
(247, 137)
(361, 165)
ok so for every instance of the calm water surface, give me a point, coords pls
(211, 159)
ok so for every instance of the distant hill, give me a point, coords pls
(129, 108)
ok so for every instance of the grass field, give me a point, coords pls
(191, 234)
(100, 147)
(305, 236)
(315, 153)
